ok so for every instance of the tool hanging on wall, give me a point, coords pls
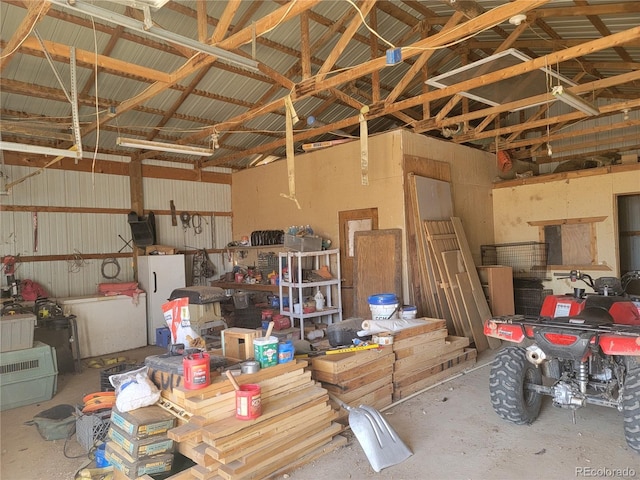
(196, 223)
(126, 243)
(174, 219)
(185, 218)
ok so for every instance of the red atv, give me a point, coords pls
(587, 348)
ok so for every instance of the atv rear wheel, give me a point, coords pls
(631, 409)
(510, 398)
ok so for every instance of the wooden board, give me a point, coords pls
(472, 312)
(378, 251)
(437, 365)
(426, 325)
(408, 343)
(222, 384)
(453, 266)
(342, 362)
(476, 286)
(270, 408)
(498, 282)
(409, 365)
(418, 347)
(400, 393)
(349, 378)
(442, 238)
(360, 382)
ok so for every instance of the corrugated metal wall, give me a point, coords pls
(75, 235)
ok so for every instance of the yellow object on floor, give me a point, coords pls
(105, 362)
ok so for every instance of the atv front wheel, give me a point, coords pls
(510, 397)
(631, 409)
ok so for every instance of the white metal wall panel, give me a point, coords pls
(75, 235)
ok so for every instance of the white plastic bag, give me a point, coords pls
(134, 389)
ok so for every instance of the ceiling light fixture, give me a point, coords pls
(574, 101)
(163, 147)
(159, 33)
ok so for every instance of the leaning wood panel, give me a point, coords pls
(472, 312)
(476, 286)
(378, 251)
(441, 239)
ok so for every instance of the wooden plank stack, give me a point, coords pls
(356, 378)
(296, 425)
(425, 355)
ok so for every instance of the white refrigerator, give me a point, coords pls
(159, 275)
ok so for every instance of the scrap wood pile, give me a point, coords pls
(425, 355)
(295, 427)
(421, 354)
(357, 378)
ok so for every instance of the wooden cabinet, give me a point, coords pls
(497, 283)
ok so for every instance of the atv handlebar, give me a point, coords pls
(577, 275)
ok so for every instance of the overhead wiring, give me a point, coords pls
(364, 22)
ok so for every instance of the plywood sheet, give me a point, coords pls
(434, 199)
(377, 267)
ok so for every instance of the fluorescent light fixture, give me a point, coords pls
(156, 32)
(38, 149)
(163, 147)
(574, 101)
(261, 159)
(155, 4)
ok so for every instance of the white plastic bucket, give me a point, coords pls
(383, 306)
(409, 312)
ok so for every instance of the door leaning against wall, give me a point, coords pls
(351, 221)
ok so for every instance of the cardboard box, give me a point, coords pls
(143, 422)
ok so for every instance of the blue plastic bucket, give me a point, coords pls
(409, 312)
(384, 306)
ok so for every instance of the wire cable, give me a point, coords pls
(196, 223)
(75, 262)
(110, 261)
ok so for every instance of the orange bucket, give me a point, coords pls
(248, 402)
(196, 371)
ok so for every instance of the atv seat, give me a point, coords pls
(593, 316)
(600, 301)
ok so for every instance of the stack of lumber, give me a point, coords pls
(363, 377)
(425, 355)
(296, 425)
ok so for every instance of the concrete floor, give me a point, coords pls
(451, 429)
